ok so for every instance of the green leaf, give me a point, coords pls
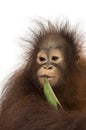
(50, 95)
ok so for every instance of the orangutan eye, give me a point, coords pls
(42, 59)
(54, 58)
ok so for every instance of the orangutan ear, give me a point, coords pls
(77, 59)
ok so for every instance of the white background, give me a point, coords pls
(14, 19)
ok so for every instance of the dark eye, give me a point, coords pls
(54, 58)
(42, 59)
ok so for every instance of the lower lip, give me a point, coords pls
(49, 78)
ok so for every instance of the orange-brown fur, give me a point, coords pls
(24, 106)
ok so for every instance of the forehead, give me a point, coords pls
(53, 41)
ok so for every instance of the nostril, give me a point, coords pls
(44, 67)
(50, 67)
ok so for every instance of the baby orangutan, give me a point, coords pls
(55, 53)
